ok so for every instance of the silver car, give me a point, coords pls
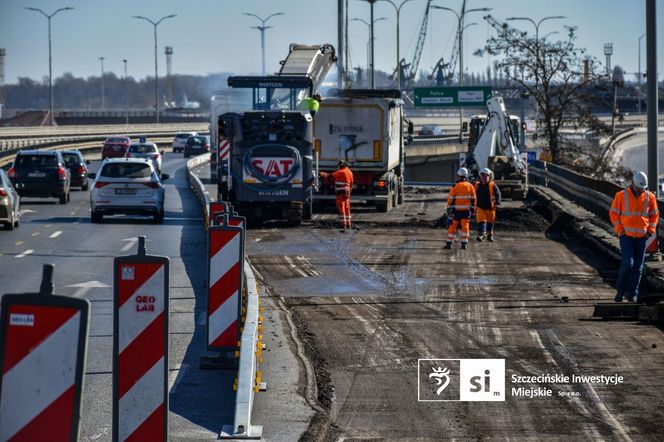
(148, 151)
(127, 186)
(10, 203)
(180, 139)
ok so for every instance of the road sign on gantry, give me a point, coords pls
(225, 264)
(462, 96)
(140, 347)
(42, 357)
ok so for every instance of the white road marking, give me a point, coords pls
(24, 254)
(56, 234)
(18, 243)
(23, 211)
(35, 234)
(84, 287)
(130, 243)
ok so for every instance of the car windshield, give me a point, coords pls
(71, 159)
(142, 148)
(126, 170)
(196, 141)
(185, 136)
(37, 161)
(116, 140)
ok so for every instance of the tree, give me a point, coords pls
(551, 72)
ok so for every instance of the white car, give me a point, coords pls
(127, 186)
(148, 151)
(180, 140)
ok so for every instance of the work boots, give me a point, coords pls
(448, 246)
(464, 245)
(480, 238)
(490, 238)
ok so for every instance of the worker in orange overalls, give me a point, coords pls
(460, 206)
(488, 197)
(634, 216)
(343, 184)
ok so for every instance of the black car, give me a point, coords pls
(10, 203)
(41, 174)
(77, 166)
(196, 145)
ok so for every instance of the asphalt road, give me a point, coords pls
(632, 153)
(200, 401)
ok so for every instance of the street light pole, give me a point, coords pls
(262, 28)
(126, 93)
(103, 93)
(638, 93)
(50, 59)
(370, 45)
(398, 11)
(156, 73)
(460, 28)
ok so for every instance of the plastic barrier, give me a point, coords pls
(42, 357)
(140, 346)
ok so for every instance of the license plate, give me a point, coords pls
(37, 174)
(125, 191)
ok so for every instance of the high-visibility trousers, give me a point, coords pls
(343, 206)
(485, 216)
(465, 229)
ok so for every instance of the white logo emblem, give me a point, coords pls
(438, 374)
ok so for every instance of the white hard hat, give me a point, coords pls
(462, 172)
(640, 180)
(485, 171)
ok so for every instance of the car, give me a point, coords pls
(115, 147)
(127, 186)
(196, 145)
(180, 140)
(77, 166)
(431, 130)
(10, 203)
(41, 174)
(146, 150)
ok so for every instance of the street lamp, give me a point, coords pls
(262, 28)
(638, 94)
(398, 11)
(156, 74)
(126, 82)
(369, 45)
(460, 29)
(103, 94)
(50, 64)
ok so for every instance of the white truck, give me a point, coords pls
(367, 129)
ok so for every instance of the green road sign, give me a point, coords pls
(466, 96)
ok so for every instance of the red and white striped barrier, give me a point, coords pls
(225, 267)
(140, 347)
(224, 150)
(42, 356)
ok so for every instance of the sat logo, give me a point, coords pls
(272, 167)
(466, 380)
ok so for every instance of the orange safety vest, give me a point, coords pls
(634, 216)
(462, 196)
(492, 194)
(343, 180)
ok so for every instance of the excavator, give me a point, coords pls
(497, 149)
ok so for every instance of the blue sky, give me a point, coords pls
(213, 36)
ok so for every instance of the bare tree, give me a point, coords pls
(552, 73)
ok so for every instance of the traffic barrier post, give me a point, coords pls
(42, 352)
(140, 346)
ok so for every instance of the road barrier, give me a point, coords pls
(140, 346)
(42, 357)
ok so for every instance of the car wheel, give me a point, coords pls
(85, 186)
(17, 218)
(63, 198)
(96, 217)
(68, 196)
(158, 218)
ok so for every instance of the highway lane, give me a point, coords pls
(200, 401)
(632, 153)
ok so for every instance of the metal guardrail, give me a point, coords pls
(104, 129)
(248, 368)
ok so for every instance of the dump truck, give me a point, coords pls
(265, 164)
(367, 129)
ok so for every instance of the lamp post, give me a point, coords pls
(156, 73)
(126, 82)
(369, 43)
(50, 59)
(460, 29)
(638, 93)
(262, 28)
(103, 93)
(397, 9)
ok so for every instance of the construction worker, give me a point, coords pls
(313, 104)
(488, 197)
(634, 216)
(343, 184)
(460, 206)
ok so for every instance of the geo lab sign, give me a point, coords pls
(466, 96)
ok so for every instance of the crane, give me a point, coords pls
(411, 70)
(441, 73)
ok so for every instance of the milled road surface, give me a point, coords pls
(380, 297)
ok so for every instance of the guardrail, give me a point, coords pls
(248, 379)
(106, 129)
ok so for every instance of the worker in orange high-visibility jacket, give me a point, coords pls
(488, 197)
(460, 207)
(634, 216)
(343, 185)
